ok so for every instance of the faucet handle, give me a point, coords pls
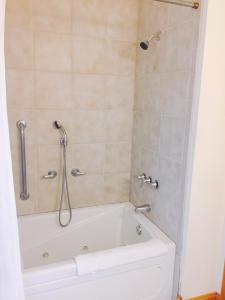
(77, 172)
(142, 176)
(50, 175)
(148, 179)
(155, 184)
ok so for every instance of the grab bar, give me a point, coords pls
(21, 125)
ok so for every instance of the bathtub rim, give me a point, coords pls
(157, 232)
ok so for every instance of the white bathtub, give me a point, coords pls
(51, 271)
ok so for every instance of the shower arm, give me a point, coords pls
(192, 4)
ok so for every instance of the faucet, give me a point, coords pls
(148, 179)
(143, 208)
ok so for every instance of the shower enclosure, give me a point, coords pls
(118, 75)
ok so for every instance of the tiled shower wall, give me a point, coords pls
(73, 61)
(162, 112)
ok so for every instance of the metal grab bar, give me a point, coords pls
(21, 125)
(193, 4)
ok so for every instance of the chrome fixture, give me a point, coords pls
(64, 143)
(63, 139)
(155, 184)
(142, 176)
(143, 208)
(192, 4)
(50, 175)
(145, 44)
(139, 229)
(77, 172)
(21, 125)
(148, 179)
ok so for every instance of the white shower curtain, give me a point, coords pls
(11, 286)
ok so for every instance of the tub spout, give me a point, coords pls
(143, 208)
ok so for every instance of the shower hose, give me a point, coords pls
(65, 192)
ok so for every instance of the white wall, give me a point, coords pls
(11, 287)
(203, 254)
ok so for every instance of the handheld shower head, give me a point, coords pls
(59, 126)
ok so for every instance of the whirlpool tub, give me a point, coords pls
(107, 253)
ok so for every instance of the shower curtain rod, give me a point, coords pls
(192, 4)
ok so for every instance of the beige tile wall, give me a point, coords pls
(73, 61)
(162, 108)
(162, 112)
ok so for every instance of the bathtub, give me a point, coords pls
(126, 256)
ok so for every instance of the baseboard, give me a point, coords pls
(212, 296)
(223, 287)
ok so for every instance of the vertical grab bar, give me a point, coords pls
(21, 125)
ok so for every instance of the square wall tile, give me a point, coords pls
(87, 190)
(89, 55)
(19, 49)
(122, 19)
(20, 88)
(52, 52)
(88, 127)
(88, 158)
(89, 18)
(88, 92)
(120, 57)
(53, 90)
(170, 172)
(117, 126)
(119, 92)
(172, 137)
(116, 188)
(117, 158)
(151, 130)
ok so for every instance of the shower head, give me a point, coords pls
(145, 44)
(59, 126)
